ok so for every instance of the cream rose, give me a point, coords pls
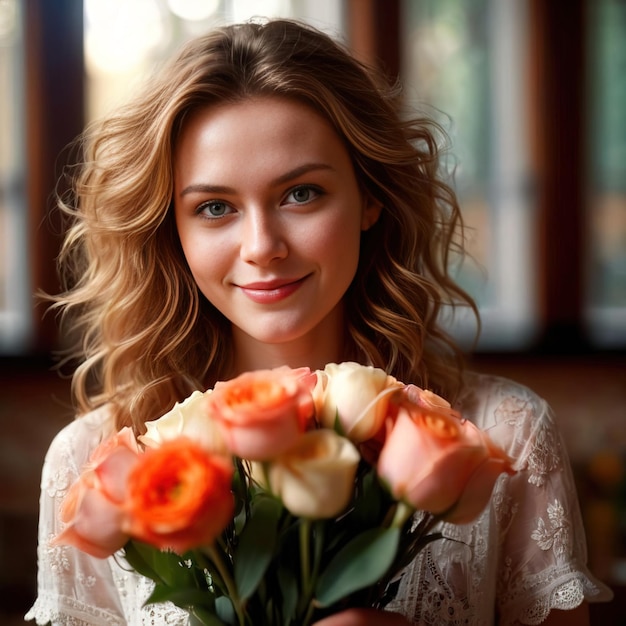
(190, 418)
(315, 478)
(357, 395)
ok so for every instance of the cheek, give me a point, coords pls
(335, 239)
(206, 257)
(342, 248)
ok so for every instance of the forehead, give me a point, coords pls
(255, 133)
(263, 111)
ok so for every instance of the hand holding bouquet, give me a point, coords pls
(284, 495)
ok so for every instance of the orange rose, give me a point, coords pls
(179, 496)
(263, 413)
(437, 462)
(93, 507)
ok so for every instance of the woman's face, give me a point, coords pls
(269, 215)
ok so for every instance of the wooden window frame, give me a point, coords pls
(55, 116)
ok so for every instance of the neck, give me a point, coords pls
(324, 345)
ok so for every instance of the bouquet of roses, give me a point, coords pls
(283, 495)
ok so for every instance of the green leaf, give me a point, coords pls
(184, 598)
(239, 520)
(289, 591)
(162, 566)
(140, 559)
(337, 426)
(201, 617)
(256, 546)
(225, 610)
(370, 501)
(361, 563)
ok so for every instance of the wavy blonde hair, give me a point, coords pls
(145, 335)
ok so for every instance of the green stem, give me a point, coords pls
(266, 476)
(224, 572)
(305, 554)
(402, 513)
(317, 561)
(305, 569)
(309, 614)
(310, 571)
(319, 548)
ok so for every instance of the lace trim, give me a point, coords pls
(64, 611)
(566, 597)
(561, 588)
(437, 601)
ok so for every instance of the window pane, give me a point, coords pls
(118, 54)
(466, 58)
(607, 205)
(15, 301)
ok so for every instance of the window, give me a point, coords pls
(500, 74)
(606, 207)
(15, 288)
(466, 58)
(118, 54)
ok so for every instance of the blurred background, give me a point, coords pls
(533, 96)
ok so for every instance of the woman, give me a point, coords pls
(265, 202)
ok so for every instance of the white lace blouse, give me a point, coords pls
(525, 555)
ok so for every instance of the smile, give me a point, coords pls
(271, 291)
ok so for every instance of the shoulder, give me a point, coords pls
(516, 417)
(73, 444)
(488, 400)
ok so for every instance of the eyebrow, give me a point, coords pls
(281, 180)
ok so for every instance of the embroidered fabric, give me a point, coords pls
(525, 554)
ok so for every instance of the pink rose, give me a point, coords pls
(261, 414)
(93, 507)
(430, 401)
(439, 463)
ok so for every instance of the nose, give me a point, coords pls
(262, 238)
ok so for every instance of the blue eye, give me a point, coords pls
(302, 194)
(214, 209)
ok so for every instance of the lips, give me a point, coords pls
(269, 292)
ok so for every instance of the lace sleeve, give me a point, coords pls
(544, 552)
(74, 589)
(526, 553)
